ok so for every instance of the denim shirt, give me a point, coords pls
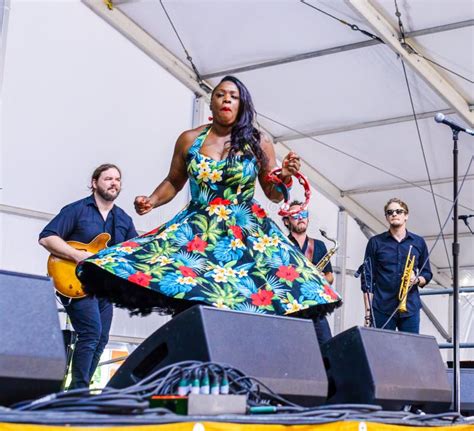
(387, 259)
(81, 221)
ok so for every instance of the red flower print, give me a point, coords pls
(328, 291)
(140, 278)
(237, 231)
(258, 211)
(287, 272)
(152, 232)
(219, 201)
(262, 297)
(187, 272)
(129, 244)
(196, 244)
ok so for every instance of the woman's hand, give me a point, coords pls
(291, 165)
(143, 205)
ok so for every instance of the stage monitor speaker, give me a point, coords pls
(466, 390)
(281, 352)
(388, 368)
(32, 357)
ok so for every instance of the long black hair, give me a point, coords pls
(244, 138)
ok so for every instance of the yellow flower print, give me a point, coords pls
(220, 270)
(219, 278)
(216, 176)
(220, 304)
(293, 307)
(223, 213)
(173, 227)
(203, 165)
(127, 250)
(230, 272)
(204, 175)
(243, 273)
(259, 246)
(163, 260)
(163, 235)
(187, 280)
(236, 243)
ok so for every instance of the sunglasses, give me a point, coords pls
(398, 211)
(300, 215)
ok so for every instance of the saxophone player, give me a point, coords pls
(388, 254)
(314, 250)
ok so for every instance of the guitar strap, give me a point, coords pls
(113, 233)
(309, 252)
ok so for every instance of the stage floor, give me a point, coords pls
(324, 420)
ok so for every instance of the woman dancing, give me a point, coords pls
(222, 249)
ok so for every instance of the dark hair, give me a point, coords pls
(397, 201)
(102, 168)
(245, 138)
(292, 204)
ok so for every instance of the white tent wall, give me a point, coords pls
(77, 94)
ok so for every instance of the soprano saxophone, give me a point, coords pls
(327, 257)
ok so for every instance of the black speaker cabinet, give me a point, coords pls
(32, 357)
(389, 368)
(466, 390)
(282, 352)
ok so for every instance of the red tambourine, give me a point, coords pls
(285, 189)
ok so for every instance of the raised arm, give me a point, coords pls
(291, 165)
(174, 181)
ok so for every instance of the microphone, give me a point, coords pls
(464, 218)
(441, 118)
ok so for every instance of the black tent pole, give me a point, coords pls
(456, 351)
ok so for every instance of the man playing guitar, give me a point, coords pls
(82, 221)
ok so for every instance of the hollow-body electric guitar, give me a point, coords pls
(63, 271)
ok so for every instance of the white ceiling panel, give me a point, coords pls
(346, 88)
(417, 14)
(445, 48)
(221, 34)
(393, 148)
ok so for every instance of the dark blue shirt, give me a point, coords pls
(81, 221)
(319, 252)
(387, 258)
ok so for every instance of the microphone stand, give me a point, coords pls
(455, 252)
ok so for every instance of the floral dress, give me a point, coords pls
(220, 250)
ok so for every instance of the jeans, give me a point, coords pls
(323, 331)
(398, 321)
(91, 318)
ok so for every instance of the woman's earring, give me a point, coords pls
(210, 118)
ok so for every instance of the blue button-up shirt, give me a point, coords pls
(387, 259)
(81, 221)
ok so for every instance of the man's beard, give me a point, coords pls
(298, 228)
(106, 195)
(397, 223)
